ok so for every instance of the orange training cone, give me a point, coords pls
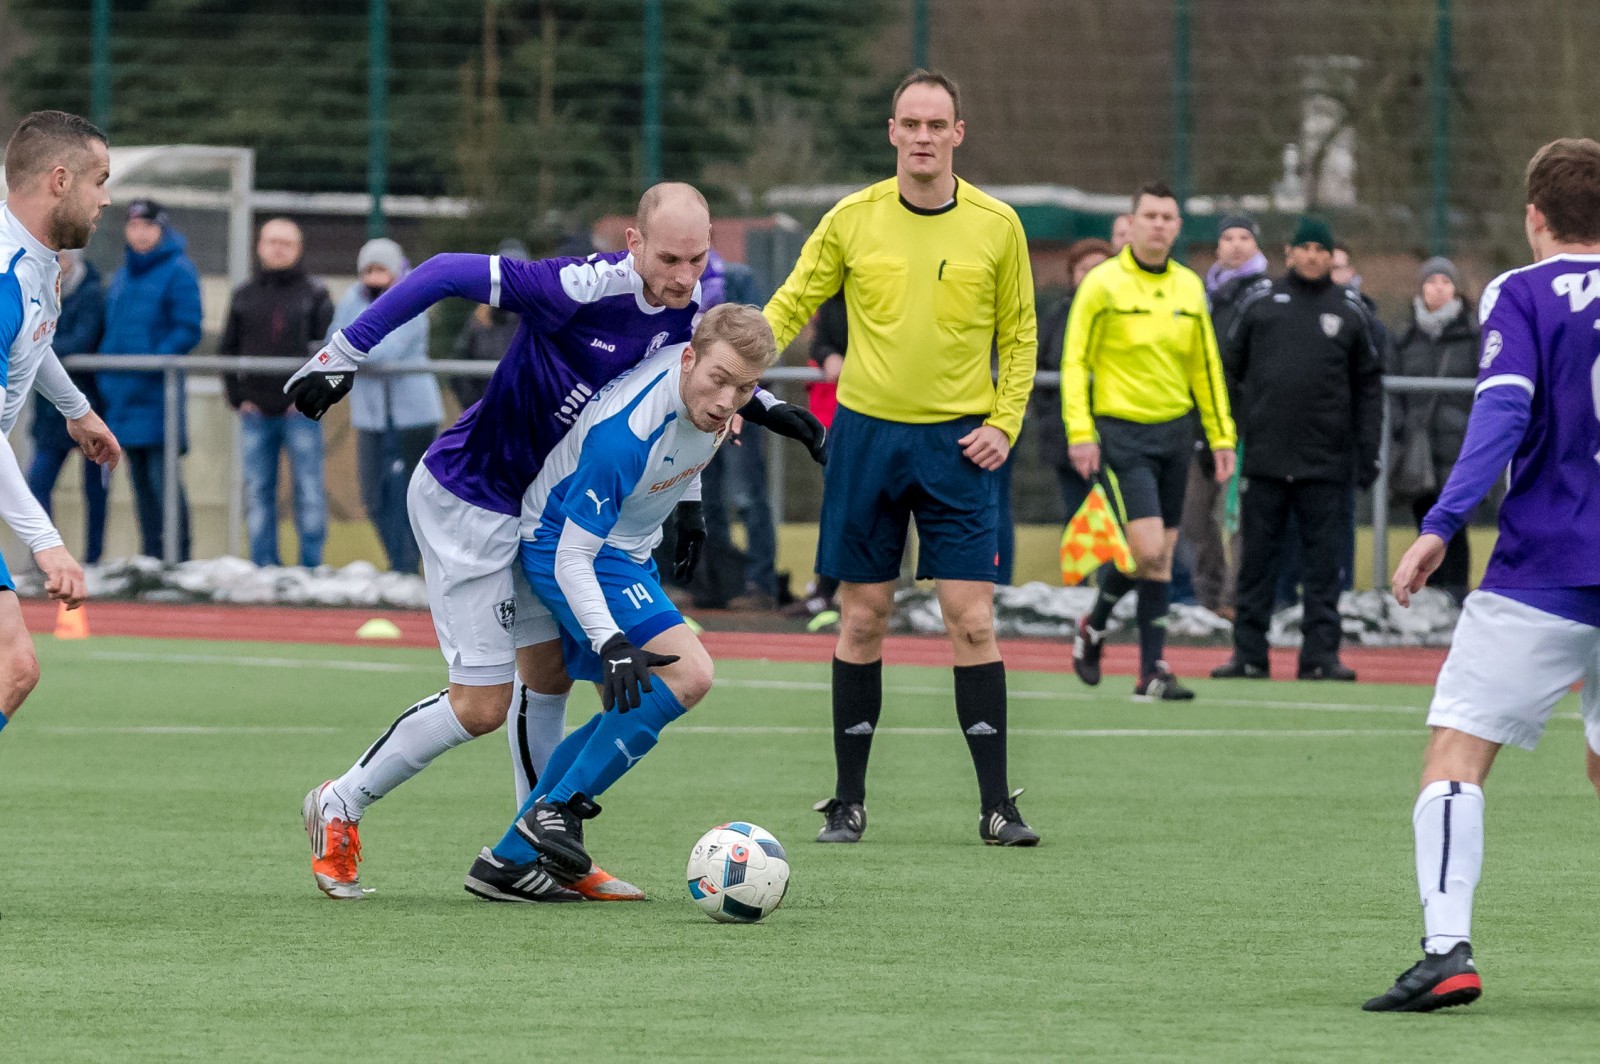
(72, 624)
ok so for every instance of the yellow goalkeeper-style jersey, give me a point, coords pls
(928, 294)
(1147, 341)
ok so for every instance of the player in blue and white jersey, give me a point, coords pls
(56, 166)
(584, 321)
(589, 523)
(1532, 629)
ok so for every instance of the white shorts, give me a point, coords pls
(1509, 664)
(483, 608)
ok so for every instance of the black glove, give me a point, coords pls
(795, 422)
(690, 526)
(627, 672)
(317, 391)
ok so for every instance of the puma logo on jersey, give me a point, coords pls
(597, 500)
(1581, 289)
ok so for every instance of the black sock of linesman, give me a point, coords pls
(1153, 595)
(981, 709)
(1114, 583)
(857, 701)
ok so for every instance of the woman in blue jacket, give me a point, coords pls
(152, 308)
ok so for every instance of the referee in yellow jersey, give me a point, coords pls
(935, 275)
(1140, 354)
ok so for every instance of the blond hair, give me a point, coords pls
(743, 329)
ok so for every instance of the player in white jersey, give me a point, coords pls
(57, 166)
(1532, 629)
(589, 523)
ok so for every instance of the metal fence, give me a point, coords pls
(173, 368)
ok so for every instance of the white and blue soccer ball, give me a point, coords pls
(738, 873)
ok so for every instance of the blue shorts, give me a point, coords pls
(879, 475)
(6, 583)
(633, 594)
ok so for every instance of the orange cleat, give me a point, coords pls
(600, 885)
(335, 849)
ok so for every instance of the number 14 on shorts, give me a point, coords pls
(637, 595)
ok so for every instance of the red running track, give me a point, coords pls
(337, 627)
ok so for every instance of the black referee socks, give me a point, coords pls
(981, 709)
(1153, 595)
(857, 702)
(1114, 583)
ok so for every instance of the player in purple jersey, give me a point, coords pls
(1532, 629)
(583, 322)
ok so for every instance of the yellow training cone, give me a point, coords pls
(378, 628)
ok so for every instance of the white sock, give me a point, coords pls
(417, 736)
(535, 725)
(1448, 820)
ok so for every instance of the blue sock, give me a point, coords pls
(2, 722)
(617, 744)
(513, 847)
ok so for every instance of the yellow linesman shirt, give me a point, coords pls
(1146, 339)
(927, 294)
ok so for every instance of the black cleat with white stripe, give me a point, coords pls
(555, 829)
(1002, 825)
(844, 821)
(492, 879)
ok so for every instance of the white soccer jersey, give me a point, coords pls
(630, 459)
(30, 305)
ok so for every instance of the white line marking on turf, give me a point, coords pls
(182, 729)
(1077, 733)
(346, 665)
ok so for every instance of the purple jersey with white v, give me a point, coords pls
(584, 322)
(1538, 385)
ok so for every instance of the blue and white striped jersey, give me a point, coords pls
(630, 459)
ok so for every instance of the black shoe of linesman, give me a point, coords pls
(1161, 686)
(1002, 825)
(1087, 645)
(1437, 981)
(1234, 669)
(845, 821)
(1337, 670)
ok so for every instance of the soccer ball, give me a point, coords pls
(738, 873)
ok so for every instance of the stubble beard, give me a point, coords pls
(66, 232)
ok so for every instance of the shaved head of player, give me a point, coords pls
(57, 166)
(671, 242)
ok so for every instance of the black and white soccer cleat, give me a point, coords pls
(1087, 646)
(844, 821)
(492, 879)
(1437, 981)
(1161, 686)
(1002, 825)
(555, 829)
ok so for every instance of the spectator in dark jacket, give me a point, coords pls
(152, 308)
(1044, 404)
(1439, 340)
(284, 313)
(1213, 567)
(486, 336)
(1301, 356)
(78, 331)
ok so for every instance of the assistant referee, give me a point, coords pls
(935, 275)
(1140, 330)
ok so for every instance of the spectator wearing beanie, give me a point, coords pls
(1439, 339)
(395, 418)
(152, 308)
(1301, 357)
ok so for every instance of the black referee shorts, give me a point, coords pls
(1151, 463)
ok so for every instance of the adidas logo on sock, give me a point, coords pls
(864, 728)
(983, 727)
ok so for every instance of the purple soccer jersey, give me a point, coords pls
(584, 321)
(1537, 406)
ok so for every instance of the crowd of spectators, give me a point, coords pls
(152, 305)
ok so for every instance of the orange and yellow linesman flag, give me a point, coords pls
(1092, 538)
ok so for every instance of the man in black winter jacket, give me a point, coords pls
(279, 312)
(1302, 357)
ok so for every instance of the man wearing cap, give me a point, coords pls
(152, 308)
(1302, 359)
(395, 418)
(1215, 567)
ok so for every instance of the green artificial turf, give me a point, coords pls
(1232, 893)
